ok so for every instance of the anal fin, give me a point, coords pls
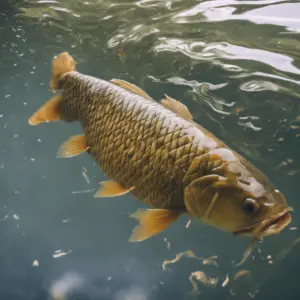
(74, 146)
(180, 109)
(131, 87)
(152, 221)
(49, 112)
(111, 188)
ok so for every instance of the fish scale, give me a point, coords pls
(127, 122)
(140, 125)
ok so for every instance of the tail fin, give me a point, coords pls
(61, 64)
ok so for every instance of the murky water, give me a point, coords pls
(235, 64)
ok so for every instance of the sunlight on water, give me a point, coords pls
(235, 64)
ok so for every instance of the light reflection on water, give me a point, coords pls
(235, 64)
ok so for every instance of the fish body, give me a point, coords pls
(156, 151)
(136, 141)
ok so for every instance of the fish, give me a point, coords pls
(155, 151)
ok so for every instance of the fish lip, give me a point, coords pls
(270, 226)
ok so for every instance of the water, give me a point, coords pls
(235, 64)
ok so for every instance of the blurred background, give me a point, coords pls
(235, 64)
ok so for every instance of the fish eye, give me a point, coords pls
(251, 206)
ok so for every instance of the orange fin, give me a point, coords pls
(74, 146)
(49, 112)
(61, 64)
(152, 221)
(111, 188)
(177, 107)
(131, 88)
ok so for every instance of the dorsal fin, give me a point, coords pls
(131, 87)
(177, 107)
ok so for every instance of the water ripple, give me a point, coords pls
(226, 53)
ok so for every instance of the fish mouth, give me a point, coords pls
(270, 226)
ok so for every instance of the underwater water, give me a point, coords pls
(235, 64)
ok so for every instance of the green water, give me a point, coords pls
(235, 64)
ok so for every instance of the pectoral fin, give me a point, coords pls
(111, 188)
(49, 112)
(74, 146)
(152, 221)
(131, 87)
(180, 109)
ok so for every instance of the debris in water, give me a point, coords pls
(293, 228)
(59, 253)
(204, 279)
(241, 273)
(168, 243)
(187, 253)
(294, 127)
(66, 221)
(35, 263)
(82, 192)
(84, 174)
(211, 261)
(226, 281)
(16, 217)
(187, 225)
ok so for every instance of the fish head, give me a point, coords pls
(237, 197)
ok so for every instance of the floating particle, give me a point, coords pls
(211, 261)
(269, 256)
(109, 278)
(204, 279)
(16, 217)
(168, 243)
(293, 172)
(7, 96)
(187, 225)
(293, 228)
(241, 273)
(282, 164)
(84, 174)
(66, 221)
(187, 253)
(294, 127)
(226, 281)
(280, 140)
(83, 191)
(59, 253)
(35, 263)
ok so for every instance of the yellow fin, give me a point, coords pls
(111, 188)
(74, 146)
(49, 112)
(180, 109)
(61, 64)
(131, 87)
(152, 221)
